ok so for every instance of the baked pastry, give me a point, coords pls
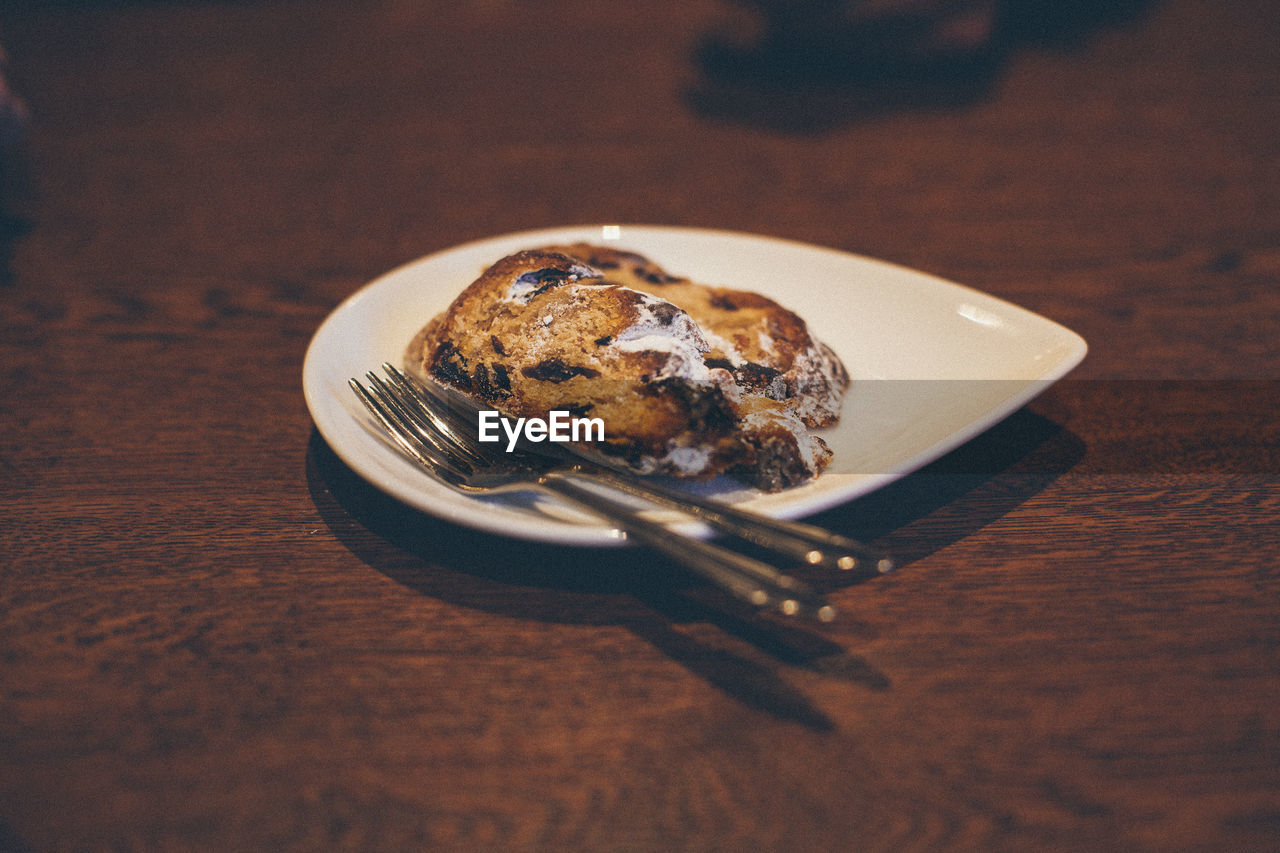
(541, 331)
(767, 348)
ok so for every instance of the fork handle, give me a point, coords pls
(803, 542)
(746, 578)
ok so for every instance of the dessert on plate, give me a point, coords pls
(689, 380)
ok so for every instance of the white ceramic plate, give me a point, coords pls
(933, 364)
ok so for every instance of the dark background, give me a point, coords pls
(214, 636)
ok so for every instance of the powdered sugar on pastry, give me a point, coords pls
(526, 286)
(811, 391)
(661, 327)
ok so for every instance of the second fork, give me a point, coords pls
(463, 466)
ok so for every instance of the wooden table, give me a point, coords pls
(214, 636)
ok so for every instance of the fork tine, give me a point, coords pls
(447, 424)
(384, 418)
(409, 415)
(452, 412)
(405, 434)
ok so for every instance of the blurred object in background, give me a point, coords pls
(13, 112)
(807, 64)
(14, 184)
(828, 35)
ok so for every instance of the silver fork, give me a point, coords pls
(805, 543)
(420, 430)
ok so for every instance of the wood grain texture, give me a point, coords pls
(214, 636)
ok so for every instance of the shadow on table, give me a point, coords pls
(652, 597)
(807, 66)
